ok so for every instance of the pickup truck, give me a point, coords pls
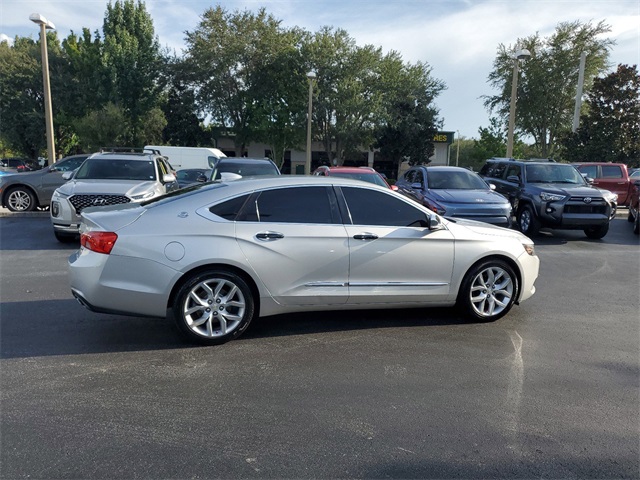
(609, 176)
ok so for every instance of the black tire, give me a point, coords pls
(213, 307)
(596, 233)
(630, 216)
(636, 224)
(488, 290)
(528, 223)
(64, 237)
(20, 199)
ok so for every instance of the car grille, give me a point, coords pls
(578, 205)
(80, 202)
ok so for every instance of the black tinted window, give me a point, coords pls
(369, 207)
(292, 205)
(229, 210)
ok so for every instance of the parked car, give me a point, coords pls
(108, 179)
(455, 192)
(17, 165)
(219, 253)
(365, 174)
(609, 176)
(29, 190)
(635, 175)
(189, 176)
(242, 166)
(634, 206)
(552, 195)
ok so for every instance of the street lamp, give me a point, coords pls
(44, 25)
(311, 76)
(519, 55)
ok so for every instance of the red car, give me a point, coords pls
(366, 174)
(609, 176)
(634, 206)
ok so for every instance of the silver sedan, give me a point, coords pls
(215, 255)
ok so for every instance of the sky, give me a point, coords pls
(459, 39)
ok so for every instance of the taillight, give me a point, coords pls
(101, 242)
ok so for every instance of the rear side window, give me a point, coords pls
(230, 209)
(292, 205)
(611, 171)
(369, 207)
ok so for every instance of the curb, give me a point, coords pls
(6, 213)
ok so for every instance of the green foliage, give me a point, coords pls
(548, 80)
(107, 127)
(610, 131)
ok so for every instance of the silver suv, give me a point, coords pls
(108, 179)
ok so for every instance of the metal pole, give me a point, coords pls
(576, 113)
(512, 108)
(47, 95)
(458, 148)
(307, 164)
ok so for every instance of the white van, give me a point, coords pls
(189, 157)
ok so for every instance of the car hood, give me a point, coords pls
(106, 187)
(482, 228)
(468, 196)
(568, 189)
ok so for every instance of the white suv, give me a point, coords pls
(108, 179)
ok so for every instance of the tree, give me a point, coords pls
(225, 56)
(547, 82)
(133, 61)
(610, 131)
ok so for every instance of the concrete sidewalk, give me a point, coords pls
(38, 213)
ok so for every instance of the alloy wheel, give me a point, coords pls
(491, 291)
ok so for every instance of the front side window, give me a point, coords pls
(590, 170)
(292, 205)
(370, 207)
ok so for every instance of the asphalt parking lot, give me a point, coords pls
(550, 391)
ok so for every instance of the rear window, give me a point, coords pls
(246, 169)
(611, 171)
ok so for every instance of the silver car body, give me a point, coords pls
(294, 266)
(69, 200)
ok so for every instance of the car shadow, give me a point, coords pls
(63, 327)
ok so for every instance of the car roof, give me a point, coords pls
(244, 160)
(347, 169)
(123, 156)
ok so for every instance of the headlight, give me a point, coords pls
(528, 247)
(144, 196)
(551, 197)
(60, 194)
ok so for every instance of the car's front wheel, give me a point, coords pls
(489, 290)
(527, 221)
(597, 233)
(213, 307)
(20, 199)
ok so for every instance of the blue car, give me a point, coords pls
(455, 192)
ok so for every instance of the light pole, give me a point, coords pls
(311, 76)
(519, 55)
(458, 148)
(44, 25)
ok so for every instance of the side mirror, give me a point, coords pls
(589, 180)
(168, 178)
(492, 186)
(201, 178)
(68, 175)
(417, 186)
(513, 179)
(435, 223)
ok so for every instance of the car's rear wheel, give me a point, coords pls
(489, 290)
(20, 199)
(597, 232)
(213, 307)
(527, 221)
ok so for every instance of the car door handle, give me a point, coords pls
(269, 235)
(365, 236)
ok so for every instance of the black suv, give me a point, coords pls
(550, 194)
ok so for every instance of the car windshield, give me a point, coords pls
(364, 176)
(246, 169)
(116, 169)
(554, 173)
(450, 180)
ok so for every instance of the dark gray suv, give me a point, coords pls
(549, 194)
